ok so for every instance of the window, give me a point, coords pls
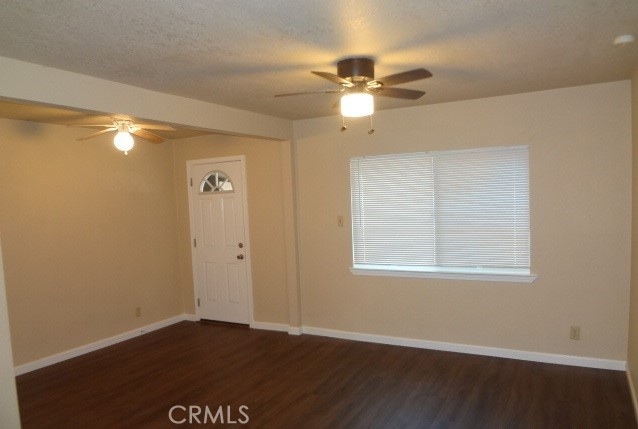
(452, 214)
(216, 181)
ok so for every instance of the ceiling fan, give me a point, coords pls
(358, 86)
(125, 127)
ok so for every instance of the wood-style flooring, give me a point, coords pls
(306, 382)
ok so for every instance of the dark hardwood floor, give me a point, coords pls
(311, 382)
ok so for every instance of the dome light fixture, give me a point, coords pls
(123, 139)
(357, 105)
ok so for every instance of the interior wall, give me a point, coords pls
(580, 179)
(632, 356)
(266, 218)
(9, 412)
(89, 235)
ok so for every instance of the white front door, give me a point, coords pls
(220, 248)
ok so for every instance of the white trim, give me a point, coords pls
(248, 258)
(191, 317)
(632, 390)
(279, 327)
(295, 330)
(516, 278)
(471, 349)
(268, 326)
(100, 344)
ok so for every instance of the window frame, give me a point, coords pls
(519, 275)
(424, 274)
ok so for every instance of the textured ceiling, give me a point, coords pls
(241, 54)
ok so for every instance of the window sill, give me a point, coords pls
(486, 277)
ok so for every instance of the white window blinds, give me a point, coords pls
(463, 211)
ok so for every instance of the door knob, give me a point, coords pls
(240, 256)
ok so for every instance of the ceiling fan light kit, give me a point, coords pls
(123, 140)
(357, 105)
(358, 87)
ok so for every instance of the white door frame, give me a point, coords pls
(247, 252)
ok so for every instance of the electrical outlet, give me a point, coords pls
(138, 311)
(574, 333)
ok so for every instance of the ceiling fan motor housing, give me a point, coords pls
(356, 69)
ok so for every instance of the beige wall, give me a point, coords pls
(88, 234)
(632, 358)
(266, 215)
(580, 174)
(9, 413)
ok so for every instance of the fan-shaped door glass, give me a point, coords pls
(216, 181)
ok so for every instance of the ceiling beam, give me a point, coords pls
(32, 83)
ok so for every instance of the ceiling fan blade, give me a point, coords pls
(410, 94)
(90, 125)
(147, 135)
(327, 91)
(334, 78)
(155, 127)
(90, 136)
(403, 77)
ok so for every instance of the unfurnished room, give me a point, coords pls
(318, 214)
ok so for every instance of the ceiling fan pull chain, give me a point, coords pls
(343, 124)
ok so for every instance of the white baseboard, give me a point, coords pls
(471, 349)
(632, 390)
(190, 317)
(347, 335)
(279, 327)
(268, 326)
(91, 347)
(295, 330)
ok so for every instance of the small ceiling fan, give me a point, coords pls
(125, 127)
(358, 86)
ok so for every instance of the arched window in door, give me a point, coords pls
(216, 181)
